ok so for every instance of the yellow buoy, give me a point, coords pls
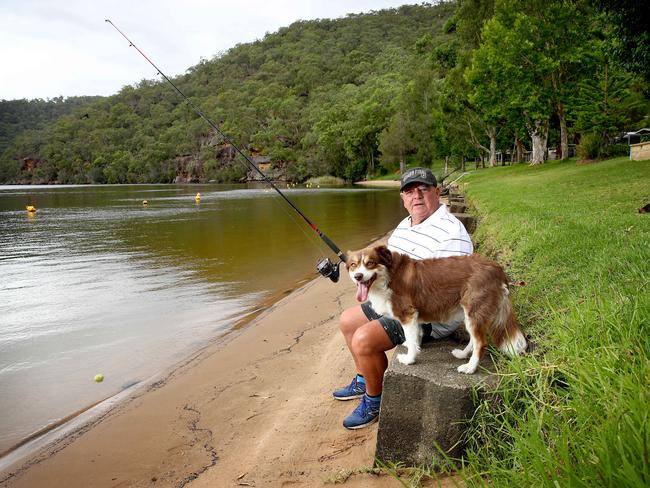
(145, 202)
(197, 197)
(31, 208)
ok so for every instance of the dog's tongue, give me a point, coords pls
(362, 291)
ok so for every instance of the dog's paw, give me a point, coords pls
(466, 368)
(405, 359)
(459, 354)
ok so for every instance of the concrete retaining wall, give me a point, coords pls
(640, 151)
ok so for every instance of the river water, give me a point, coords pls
(96, 282)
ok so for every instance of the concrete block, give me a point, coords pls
(457, 208)
(426, 403)
(640, 151)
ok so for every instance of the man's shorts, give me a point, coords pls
(395, 331)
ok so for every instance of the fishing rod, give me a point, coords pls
(443, 178)
(444, 190)
(325, 267)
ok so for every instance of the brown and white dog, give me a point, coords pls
(443, 290)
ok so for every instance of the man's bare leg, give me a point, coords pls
(367, 342)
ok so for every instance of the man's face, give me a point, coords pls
(421, 201)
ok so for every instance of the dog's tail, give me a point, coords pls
(506, 333)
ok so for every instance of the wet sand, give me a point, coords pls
(379, 183)
(253, 409)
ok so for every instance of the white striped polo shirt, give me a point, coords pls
(439, 236)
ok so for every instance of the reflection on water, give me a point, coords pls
(95, 281)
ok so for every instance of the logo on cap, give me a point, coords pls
(422, 175)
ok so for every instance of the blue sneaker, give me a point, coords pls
(354, 390)
(365, 414)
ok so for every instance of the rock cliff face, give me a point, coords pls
(273, 171)
(189, 169)
(195, 167)
(29, 167)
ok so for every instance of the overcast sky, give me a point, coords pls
(64, 47)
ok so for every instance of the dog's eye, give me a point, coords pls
(370, 263)
(353, 265)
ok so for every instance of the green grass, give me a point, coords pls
(575, 411)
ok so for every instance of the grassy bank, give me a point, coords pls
(574, 412)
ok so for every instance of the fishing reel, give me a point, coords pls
(328, 269)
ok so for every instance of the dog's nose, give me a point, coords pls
(358, 276)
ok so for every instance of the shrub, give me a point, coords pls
(614, 150)
(590, 146)
(356, 171)
(326, 181)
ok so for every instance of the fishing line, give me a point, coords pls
(325, 267)
(309, 236)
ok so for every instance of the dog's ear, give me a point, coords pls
(347, 258)
(385, 255)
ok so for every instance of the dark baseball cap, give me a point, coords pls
(418, 175)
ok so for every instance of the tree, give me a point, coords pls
(604, 102)
(567, 43)
(117, 170)
(513, 68)
(630, 20)
(394, 142)
(470, 17)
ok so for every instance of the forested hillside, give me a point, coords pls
(18, 116)
(362, 95)
(313, 97)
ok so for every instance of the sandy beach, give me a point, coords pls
(252, 409)
(379, 183)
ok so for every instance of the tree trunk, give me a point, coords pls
(492, 133)
(519, 146)
(446, 164)
(564, 136)
(539, 137)
(402, 166)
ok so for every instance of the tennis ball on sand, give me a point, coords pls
(99, 378)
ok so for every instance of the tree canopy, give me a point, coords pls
(18, 116)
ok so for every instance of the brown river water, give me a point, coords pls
(96, 282)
